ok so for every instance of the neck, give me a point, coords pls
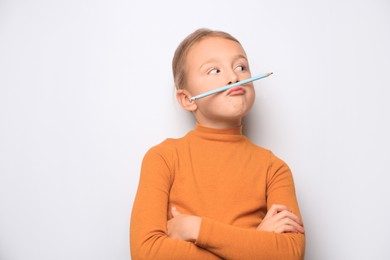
(219, 124)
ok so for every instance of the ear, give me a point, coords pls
(183, 97)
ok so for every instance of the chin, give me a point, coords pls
(237, 114)
(240, 110)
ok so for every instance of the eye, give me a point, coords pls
(214, 71)
(241, 68)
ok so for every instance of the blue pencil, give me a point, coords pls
(208, 93)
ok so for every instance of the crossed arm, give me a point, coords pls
(153, 236)
(279, 219)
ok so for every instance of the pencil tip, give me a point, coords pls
(270, 73)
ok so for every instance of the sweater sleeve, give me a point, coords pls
(148, 237)
(232, 242)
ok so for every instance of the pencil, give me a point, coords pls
(214, 91)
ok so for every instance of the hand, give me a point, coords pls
(280, 219)
(183, 227)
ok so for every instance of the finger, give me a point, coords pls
(288, 225)
(279, 208)
(175, 212)
(288, 215)
(274, 209)
(286, 229)
(295, 225)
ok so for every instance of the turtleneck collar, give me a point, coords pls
(225, 134)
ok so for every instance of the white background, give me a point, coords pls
(86, 88)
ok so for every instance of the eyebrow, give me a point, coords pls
(237, 57)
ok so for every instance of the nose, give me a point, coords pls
(233, 78)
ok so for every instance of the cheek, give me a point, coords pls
(196, 86)
(252, 97)
(250, 100)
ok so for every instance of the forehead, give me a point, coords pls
(217, 48)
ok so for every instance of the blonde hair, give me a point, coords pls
(179, 58)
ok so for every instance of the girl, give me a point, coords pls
(214, 194)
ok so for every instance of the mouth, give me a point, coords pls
(239, 90)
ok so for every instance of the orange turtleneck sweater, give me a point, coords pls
(222, 177)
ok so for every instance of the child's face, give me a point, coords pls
(216, 62)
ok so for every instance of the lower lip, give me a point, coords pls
(237, 92)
